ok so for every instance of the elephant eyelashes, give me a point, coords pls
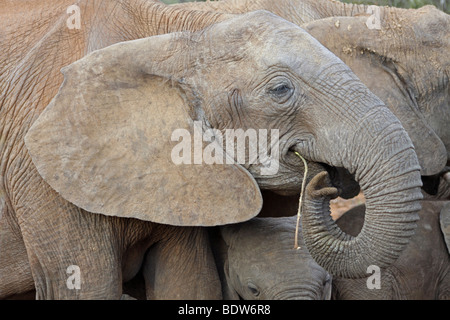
(281, 92)
(253, 289)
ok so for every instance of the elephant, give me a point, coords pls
(422, 272)
(92, 174)
(399, 54)
(247, 259)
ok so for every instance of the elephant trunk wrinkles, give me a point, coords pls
(383, 161)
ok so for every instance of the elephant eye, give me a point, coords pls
(253, 289)
(282, 89)
(281, 92)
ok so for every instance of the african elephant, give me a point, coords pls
(88, 170)
(422, 270)
(400, 55)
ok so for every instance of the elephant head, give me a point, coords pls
(402, 56)
(105, 143)
(258, 266)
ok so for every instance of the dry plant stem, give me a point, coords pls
(296, 246)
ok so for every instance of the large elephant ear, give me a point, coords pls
(445, 224)
(105, 144)
(364, 45)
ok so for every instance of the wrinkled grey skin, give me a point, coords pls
(406, 64)
(255, 265)
(251, 265)
(256, 260)
(422, 271)
(191, 246)
(299, 84)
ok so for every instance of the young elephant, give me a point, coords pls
(248, 259)
(423, 269)
(251, 264)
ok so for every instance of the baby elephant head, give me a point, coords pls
(260, 262)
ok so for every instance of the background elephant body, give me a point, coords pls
(14, 266)
(86, 169)
(130, 239)
(421, 272)
(407, 67)
(38, 228)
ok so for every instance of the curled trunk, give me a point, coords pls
(388, 171)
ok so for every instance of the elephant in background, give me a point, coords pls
(422, 272)
(405, 63)
(399, 54)
(87, 170)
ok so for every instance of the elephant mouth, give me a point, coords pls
(340, 177)
(343, 181)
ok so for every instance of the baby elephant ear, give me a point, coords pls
(105, 144)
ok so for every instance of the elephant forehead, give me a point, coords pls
(249, 29)
(295, 47)
(264, 38)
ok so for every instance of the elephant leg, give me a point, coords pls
(15, 273)
(73, 254)
(78, 260)
(444, 286)
(181, 266)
